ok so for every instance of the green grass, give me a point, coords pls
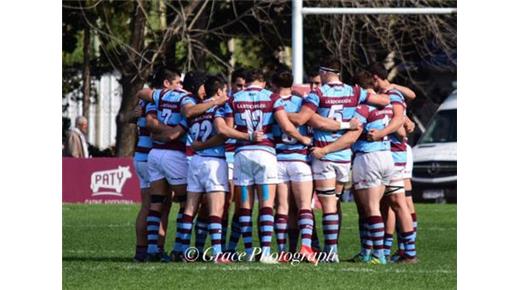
(98, 243)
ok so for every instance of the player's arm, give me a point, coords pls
(229, 132)
(145, 94)
(401, 133)
(288, 127)
(153, 124)
(325, 124)
(301, 117)
(169, 134)
(396, 122)
(407, 92)
(345, 141)
(409, 125)
(190, 110)
(371, 97)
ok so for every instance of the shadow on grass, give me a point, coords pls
(97, 259)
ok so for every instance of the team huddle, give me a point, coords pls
(214, 147)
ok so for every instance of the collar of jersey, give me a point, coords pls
(254, 88)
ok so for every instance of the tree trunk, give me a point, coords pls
(86, 72)
(126, 131)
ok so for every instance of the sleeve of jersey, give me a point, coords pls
(155, 96)
(363, 96)
(184, 124)
(188, 99)
(228, 108)
(312, 101)
(277, 104)
(151, 108)
(220, 112)
(361, 114)
(396, 99)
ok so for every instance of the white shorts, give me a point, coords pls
(407, 174)
(207, 174)
(255, 167)
(297, 171)
(373, 169)
(141, 167)
(323, 170)
(230, 170)
(169, 164)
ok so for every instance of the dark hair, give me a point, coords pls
(192, 81)
(161, 74)
(238, 73)
(363, 79)
(331, 62)
(313, 73)
(379, 70)
(254, 75)
(282, 78)
(213, 84)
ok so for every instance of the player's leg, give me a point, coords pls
(409, 202)
(389, 219)
(235, 224)
(370, 200)
(282, 216)
(158, 188)
(140, 226)
(201, 225)
(228, 200)
(292, 226)
(397, 201)
(165, 214)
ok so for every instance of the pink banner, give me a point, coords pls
(99, 180)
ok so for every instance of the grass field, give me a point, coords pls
(98, 243)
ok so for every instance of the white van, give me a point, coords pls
(434, 174)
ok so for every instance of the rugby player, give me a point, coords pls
(208, 168)
(256, 109)
(167, 159)
(396, 200)
(338, 101)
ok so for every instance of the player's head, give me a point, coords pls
(166, 79)
(255, 76)
(82, 124)
(214, 86)
(329, 69)
(379, 75)
(313, 78)
(194, 83)
(282, 79)
(238, 80)
(363, 78)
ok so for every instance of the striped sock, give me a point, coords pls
(201, 233)
(266, 229)
(330, 231)
(376, 233)
(225, 224)
(315, 238)
(235, 234)
(366, 242)
(215, 231)
(293, 239)
(409, 244)
(280, 227)
(414, 219)
(246, 227)
(389, 240)
(306, 224)
(153, 220)
(400, 242)
(183, 236)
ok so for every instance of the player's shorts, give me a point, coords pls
(296, 171)
(323, 170)
(396, 181)
(255, 167)
(207, 174)
(230, 157)
(169, 164)
(141, 168)
(407, 174)
(372, 169)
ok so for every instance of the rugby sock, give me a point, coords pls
(293, 239)
(246, 228)
(201, 232)
(153, 220)
(235, 233)
(225, 224)
(280, 227)
(389, 240)
(306, 224)
(409, 244)
(178, 244)
(400, 241)
(366, 242)
(376, 231)
(266, 229)
(183, 237)
(315, 238)
(215, 231)
(140, 251)
(330, 232)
